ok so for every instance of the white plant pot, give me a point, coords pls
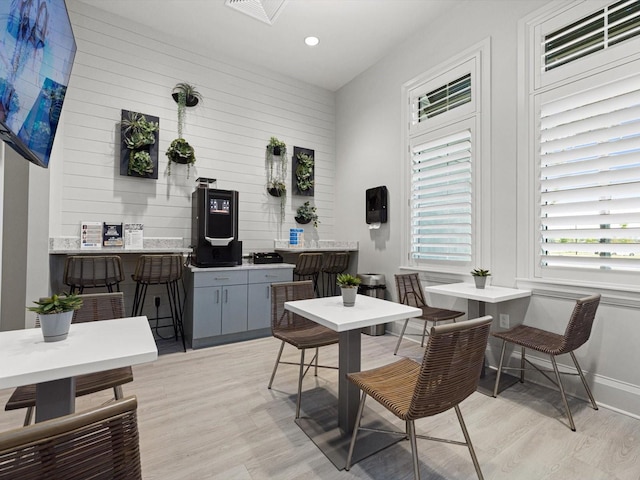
(481, 282)
(55, 326)
(349, 296)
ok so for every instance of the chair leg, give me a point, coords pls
(424, 333)
(584, 381)
(476, 464)
(564, 397)
(411, 426)
(522, 364)
(275, 367)
(356, 427)
(28, 418)
(401, 335)
(300, 383)
(495, 387)
(117, 392)
(315, 374)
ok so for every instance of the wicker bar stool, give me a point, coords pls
(160, 270)
(334, 264)
(89, 271)
(308, 266)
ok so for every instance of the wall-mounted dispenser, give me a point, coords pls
(376, 206)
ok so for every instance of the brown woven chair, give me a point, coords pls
(89, 271)
(576, 334)
(97, 306)
(102, 443)
(308, 266)
(449, 373)
(334, 264)
(410, 293)
(161, 270)
(296, 330)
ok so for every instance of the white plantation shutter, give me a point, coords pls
(441, 198)
(590, 178)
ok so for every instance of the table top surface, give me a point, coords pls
(26, 358)
(489, 294)
(368, 311)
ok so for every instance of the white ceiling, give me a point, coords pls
(354, 34)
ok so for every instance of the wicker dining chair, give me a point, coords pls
(298, 331)
(308, 267)
(102, 443)
(93, 271)
(334, 264)
(95, 306)
(410, 293)
(449, 373)
(553, 344)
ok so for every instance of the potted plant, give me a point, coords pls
(276, 162)
(55, 314)
(480, 277)
(140, 162)
(185, 95)
(304, 172)
(348, 287)
(181, 152)
(276, 147)
(306, 213)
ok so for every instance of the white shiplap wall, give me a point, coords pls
(120, 65)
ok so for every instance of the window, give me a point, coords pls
(444, 161)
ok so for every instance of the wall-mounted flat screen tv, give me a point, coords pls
(37, 49)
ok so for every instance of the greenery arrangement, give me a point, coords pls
(139, 134)
(140, 162)
(304, 172)
(306, 213)
(276, 159)
(347, 280)
(479, 272)
(57, 304)
(181, 152)
(276, 147)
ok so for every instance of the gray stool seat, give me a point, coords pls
(93, 271)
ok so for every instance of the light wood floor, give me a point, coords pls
(207, 414)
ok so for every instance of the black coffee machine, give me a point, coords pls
(214, 228)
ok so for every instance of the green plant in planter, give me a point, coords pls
(140, 162)
(181, 152)
(185, 95)
(347, 280)
(479, 272)
(304, 172)
(276, 160)
(138, 131)
(306, 213)
(276, 147)
(57, 304)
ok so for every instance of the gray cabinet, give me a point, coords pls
(230, 304)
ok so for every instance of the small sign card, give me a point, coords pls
(112, 235)
(91, 235)
(133, 235)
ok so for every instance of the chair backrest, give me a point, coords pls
(100, 306)
(410, 290)
(155, 269)
(335, 262)
(579, 328)
(92, 270)
(308, 263)
(99, 443)
(282, 319)
(450, 367)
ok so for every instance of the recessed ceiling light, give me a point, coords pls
(312, 41)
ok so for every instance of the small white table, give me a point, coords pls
(90, 347)
(477, 299)
(368, 311)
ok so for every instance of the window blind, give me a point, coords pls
(614, 24)
(590, 178)
(441, 199)
(445, 98)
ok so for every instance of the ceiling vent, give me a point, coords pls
(264, 10)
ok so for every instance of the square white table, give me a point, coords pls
(90, 347)
(477, 299)
(368, 311)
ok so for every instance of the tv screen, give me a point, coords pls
(37, 49)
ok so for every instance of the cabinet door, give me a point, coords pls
(259, 308)
(234, 309)
(207, 316)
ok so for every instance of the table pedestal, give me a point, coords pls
(55, 398)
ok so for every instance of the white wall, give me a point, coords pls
(120, 65)
(369, 153)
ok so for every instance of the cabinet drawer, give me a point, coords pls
(271, 275)
(215, 279)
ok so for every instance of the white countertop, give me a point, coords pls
(489, 294)
(90, 347)
(117, 251)
(368, 311)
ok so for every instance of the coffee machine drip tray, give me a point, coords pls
(218, 242)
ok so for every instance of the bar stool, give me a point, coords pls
(160, 270)
(308, 267)
(89, 271)
(334, 264)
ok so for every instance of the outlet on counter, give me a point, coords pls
(504, 320)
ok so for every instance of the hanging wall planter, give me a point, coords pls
(276, 165)
(306, 213)
(303, 170)
(139, 145)
(180, 151)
